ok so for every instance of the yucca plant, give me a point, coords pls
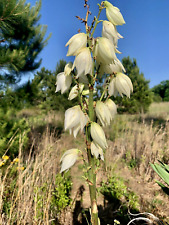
(163, 171)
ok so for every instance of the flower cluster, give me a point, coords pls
(93, 58)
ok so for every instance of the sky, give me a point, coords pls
(146, 32)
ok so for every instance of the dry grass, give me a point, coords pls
(39, 171)
(133, 144)
(138, 143)
(160, 109)
(27, 192)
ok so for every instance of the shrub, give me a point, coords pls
(12, 131)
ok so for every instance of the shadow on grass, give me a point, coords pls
(113, 209)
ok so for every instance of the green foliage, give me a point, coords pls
(13, 132)
(61, 193)
(141, 97)
(120, 198)
(162, 90)
(12, 99)
(21, 38)
(40, 92)
(163, 172)
(157, 98)
(114, 189)
(44, 85)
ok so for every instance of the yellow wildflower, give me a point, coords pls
(16, 160)
(5, 157)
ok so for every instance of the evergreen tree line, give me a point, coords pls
(161, 91)
(41, 91)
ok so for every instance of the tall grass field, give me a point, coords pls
(32, 190)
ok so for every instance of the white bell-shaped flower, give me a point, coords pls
(83, 62)
(98, 135)
(120, 84)
(112, 107)
(75, 91)
(75, 120)
(103, 113)
(96, 151)
(104, 51)
(68, 159)
(77, 42)
(114, 67)
(113, 14)
(63, 82)
(110, 32)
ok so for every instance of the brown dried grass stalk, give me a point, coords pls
(39, 171)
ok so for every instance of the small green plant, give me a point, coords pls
(114, 189)
(61, 193)
(130, 160)
(60, 196)
(119, 198)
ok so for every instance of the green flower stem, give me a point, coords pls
(103, 93)
(91, 160)
(97, 21)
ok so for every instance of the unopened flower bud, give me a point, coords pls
(113, 14)
(98, 135)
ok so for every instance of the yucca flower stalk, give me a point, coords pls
(93, 58)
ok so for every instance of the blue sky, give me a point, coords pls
(146, 32)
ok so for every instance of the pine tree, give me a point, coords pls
(21, 38)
